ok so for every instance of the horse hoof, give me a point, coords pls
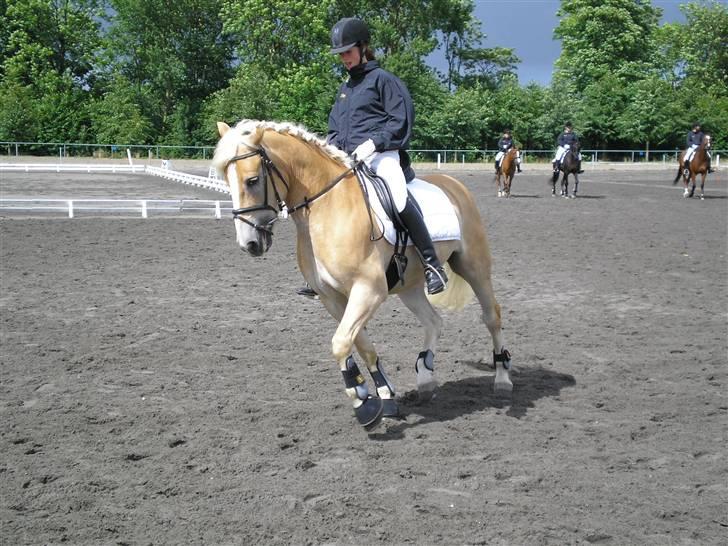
(390, 409)
(369, 414)
(503, 389)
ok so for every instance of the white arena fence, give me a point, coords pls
(143, 208)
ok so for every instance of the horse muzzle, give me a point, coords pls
(252, 239)
(256, 246)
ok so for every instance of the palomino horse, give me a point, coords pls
(506, 172)
(698, 166)
(569, 165)
(278, 170)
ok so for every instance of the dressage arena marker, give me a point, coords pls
(141, 206)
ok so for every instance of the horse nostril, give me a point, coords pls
(253, 247)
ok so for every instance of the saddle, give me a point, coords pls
(439, 214)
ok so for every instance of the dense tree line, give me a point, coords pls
(163, 71)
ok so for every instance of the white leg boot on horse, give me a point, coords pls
(435, 276)
(416, 301)
(477, 274)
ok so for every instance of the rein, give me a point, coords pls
(283, 210)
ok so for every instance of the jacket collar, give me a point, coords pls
(360, 70)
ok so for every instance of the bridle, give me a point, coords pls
(283, 210)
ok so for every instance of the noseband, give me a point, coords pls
(283, 210)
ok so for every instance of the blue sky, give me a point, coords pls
(528, 26)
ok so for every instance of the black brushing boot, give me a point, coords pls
(579, 170)
(435, 276)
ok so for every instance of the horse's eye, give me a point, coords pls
(252, 181)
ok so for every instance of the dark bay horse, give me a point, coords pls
(698, 166)
(278, 170)
(506, 172)
(569, 165)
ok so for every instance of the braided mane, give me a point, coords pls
(227, 146)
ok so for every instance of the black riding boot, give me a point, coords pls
(518, 167)
(710, 169)
(556, 164)
(307, 292)
(496, 166)
(435, 276)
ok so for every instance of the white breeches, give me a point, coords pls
(500, 155)
(386, 165)
(690, 152)
(561, 151)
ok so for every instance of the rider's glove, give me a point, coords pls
(364, 150)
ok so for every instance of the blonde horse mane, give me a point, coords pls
(239, 134)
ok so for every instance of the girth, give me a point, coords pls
(398, 263)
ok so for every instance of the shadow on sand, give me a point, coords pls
(473, 394)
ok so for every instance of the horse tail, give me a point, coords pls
(457, 295)
(678, 175)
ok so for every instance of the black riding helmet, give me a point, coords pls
(347, 33)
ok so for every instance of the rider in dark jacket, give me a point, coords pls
(372, 120)
(565, 140)
(505, 143)
(694, 140)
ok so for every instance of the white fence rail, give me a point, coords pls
(194, 180)
(71, 167)
(143, 208)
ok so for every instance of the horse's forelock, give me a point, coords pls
(227, 146)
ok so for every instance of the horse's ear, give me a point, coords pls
(257, 136)
(222, 128)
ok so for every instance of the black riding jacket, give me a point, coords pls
(505, 144)
(695, 138)
(372, 103)
(567, 138)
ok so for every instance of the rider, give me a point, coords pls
(505, 143)
(566, 139)
(372, 120)
(694, 140)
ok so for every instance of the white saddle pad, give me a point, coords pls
(440, 217)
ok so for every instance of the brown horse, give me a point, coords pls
(279, 170)
(506, 172)
(698, 166)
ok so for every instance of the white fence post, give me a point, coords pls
(438, 161)
(218, 215)
(144, 209)
(70, 208)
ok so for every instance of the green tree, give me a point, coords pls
(47, 64)
(118, 118)
(175, 54)
(604, 37)
(650, 114)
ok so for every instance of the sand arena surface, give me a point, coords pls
(158, 386)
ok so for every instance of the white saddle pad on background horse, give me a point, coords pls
(440, 217)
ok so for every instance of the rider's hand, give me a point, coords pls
(364, 150)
